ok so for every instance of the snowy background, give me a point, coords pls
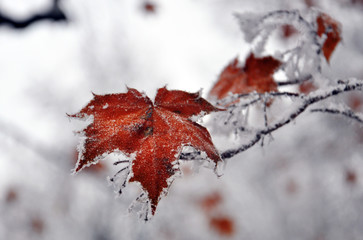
(305, 184)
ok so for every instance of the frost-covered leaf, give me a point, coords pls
(298, 60)
(256, 75)
(332, 29)
(154, 133)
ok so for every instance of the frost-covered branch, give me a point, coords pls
(307, 100)
(255, 96)
(346, 113)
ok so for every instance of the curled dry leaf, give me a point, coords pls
(154, 132)
(332, 29)
(256, 75)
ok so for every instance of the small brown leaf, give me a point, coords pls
(223, 225)
(11, 195)
(355, 102)
(292, 187)
(211, 201)
(350, 176)
(307, 87)
(37, 225)
(256, 75)
(310, 3)
(149, 7)
(288, 31)
(332, 29)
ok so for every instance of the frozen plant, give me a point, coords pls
(249, 101)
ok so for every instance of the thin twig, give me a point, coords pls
(119, 162)
(189, 156)
(115, 175)
(348, 113)
(294, 81)
(255, 94)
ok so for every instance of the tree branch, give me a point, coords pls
(348, 113)
(307, 101)
(54, 13)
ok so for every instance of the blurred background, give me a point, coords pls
(305, 184)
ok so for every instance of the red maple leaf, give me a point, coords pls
(155, 132)
(256, 75)
(332, 29)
